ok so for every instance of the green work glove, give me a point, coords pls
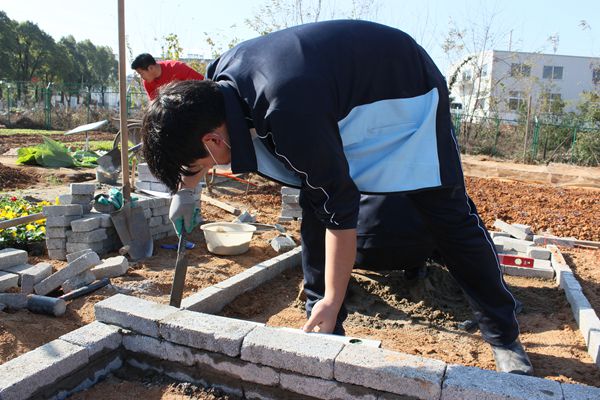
(184, 211)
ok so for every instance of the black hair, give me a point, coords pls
(143, 61)
(174, 124)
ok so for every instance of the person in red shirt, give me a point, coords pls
(155, 74)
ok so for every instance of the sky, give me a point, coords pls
(522, 25)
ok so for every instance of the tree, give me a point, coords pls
(171, 49)
(274, 15)
(7, 46)
(33, 49)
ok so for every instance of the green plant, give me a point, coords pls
(12, 207)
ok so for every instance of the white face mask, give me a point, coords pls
(217, 165)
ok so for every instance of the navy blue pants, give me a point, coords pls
(450, 217)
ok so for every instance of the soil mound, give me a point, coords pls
(12, 178)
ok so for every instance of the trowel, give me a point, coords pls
(180, 272)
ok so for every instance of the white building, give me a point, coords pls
(502, 82)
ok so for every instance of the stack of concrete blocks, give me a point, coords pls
(15, 272)
(58, 226)
(80, 193)
(147, 181)
(156, 211)
(290, 207)
(516, 240)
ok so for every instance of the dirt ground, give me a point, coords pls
(422, 317)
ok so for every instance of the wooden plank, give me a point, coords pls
(222, 205)
(21, 220)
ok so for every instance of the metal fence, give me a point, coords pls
(539, 140)
(63, 106)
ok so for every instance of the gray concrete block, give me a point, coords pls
(513, 230)
(75, 199)
(111, 267)
(45, 365)
(569, 281)
(516, 244)
(588, 322)
(147, 213)
(155, 221)
(73, 256)
(61, 222)
(40, 271)
(15, 301)
(95, 235)
(96, 337)
(147, 177)
(83, 188)
(286, 190)
(206, 332)
(10, 257)
(165, 350)
(543, 240)
(105, 220)
(324, 389)
(535, 272)
(580, 392)
(160, 211)
(97, 247)
(62, 211)
(57, 254)
(143, 168)
(594, 345)
(349, 340)
(290, 199)
(27, 283)
(8, 281)
(86, 224)
(56, 244)
(154, 186)
(130, 312)
(77, 281)
(494, 234)
(208, 300)
(390, 371)
(76, 267)
(297, 352)
(538, 252)
(57, 233)
(473, 383)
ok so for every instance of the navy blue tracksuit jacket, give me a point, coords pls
(340, 108)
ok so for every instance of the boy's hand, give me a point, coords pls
(322, 318)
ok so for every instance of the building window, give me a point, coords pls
(596, 75)
(516, 101)
(467, 75)
(480, 103)
(552, 72)
(484, 70)
(551, 102)
(520, 70)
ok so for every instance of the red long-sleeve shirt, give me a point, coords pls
(171, 71)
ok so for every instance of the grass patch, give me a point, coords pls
(95, 145)
(7, 131)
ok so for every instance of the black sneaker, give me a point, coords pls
(512, 359)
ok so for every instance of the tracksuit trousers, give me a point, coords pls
(461, 239)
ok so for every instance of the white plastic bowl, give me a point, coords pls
(228, 238)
